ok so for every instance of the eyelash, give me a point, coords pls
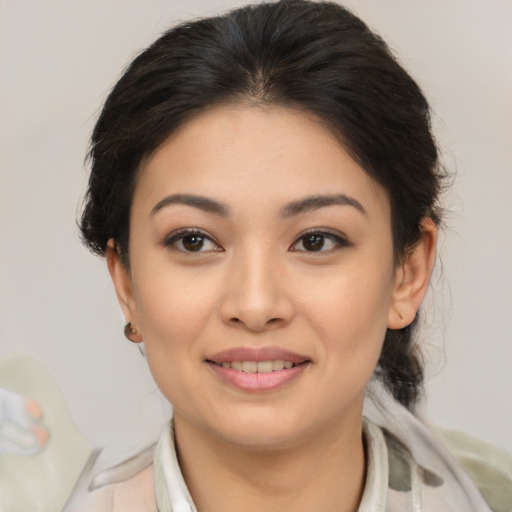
(178, 236)
(339, 240)
(181, 234)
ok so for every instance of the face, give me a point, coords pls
(261, 275)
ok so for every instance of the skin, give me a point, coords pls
(257, 283)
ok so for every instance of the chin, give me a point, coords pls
(261, 430)
(262, 440)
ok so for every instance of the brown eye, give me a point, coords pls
(191, 241)
(319, 241)
(313, 242)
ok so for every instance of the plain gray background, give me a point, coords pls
(59, 59)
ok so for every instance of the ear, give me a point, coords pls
(121, 278)
(412, 278)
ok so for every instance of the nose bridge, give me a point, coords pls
(256, 296)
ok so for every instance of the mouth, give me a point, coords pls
(258, 370)
(275, 365)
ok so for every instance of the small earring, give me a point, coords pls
(130, 331)
(399, 314)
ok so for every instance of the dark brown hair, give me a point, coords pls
(316, 57)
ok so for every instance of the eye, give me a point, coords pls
(319, 241)
(191, 240)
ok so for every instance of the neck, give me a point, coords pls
(325, 472)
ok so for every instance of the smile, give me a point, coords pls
(258, 366)
(257, 370)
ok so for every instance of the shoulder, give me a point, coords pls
(454, 472)
(126, 487)
(489, 467)
(136, 494)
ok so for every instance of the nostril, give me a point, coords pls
(255, 323)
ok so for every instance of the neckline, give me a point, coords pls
(172, 494)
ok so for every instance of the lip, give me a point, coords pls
(257, 382)
(257, 354)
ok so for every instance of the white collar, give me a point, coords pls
(172, 494)
(170, 488)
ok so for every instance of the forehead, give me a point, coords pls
(245, 155)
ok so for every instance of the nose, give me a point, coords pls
(256, 296)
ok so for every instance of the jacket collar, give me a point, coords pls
(172, 494)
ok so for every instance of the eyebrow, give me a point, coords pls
(304, 205)
(201, 202)
(320, 201)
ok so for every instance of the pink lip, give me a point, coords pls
(257, 354)
(257, 382)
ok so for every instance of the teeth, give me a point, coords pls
(264, 366)
(250, 366)
(258, 366)
(277, 365)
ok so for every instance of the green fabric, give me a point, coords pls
(41, 482)
(490, 467)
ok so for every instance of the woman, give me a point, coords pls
(264, 187)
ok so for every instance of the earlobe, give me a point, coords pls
(412, 278)
(124, 290)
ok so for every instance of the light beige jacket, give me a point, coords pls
(409, 467)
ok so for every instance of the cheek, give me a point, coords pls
(173, 304)
(350, 311)
(173, 310)
(352, 332)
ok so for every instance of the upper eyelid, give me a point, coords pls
(189, 231)
(183, 232)
(321, 231)
(340, 238)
